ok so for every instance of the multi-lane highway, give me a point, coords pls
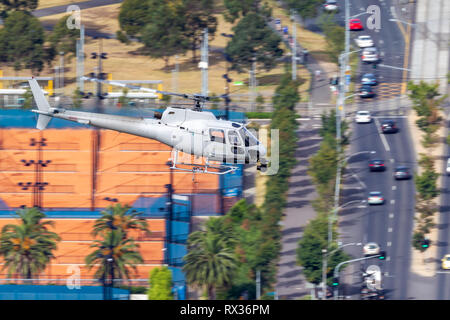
(389, 225)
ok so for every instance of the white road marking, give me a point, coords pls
(391, 215)
(394, 187)
(388, 259)
(392, 160)
(392, 201)
(383, 138)
(390, 230)
(389, 244)
(381, 42)
(386, 274)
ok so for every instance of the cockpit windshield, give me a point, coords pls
(248, 137)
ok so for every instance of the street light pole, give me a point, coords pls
(324, 274)
(325, 256)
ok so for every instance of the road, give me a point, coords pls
(389, 225)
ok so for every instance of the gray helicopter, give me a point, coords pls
(221, 143)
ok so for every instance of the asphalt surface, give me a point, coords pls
(389, 225)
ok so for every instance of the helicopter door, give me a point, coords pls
(217, 144)
(236, 146)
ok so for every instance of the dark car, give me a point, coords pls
(366, 91)
(369, 79)
(376, 165)
(389, 126)
(402, 172)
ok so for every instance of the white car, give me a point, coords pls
(364, 41)
(375, 197)
(446, 262)
(330, 5)
(371, 248)
(448, 167)
(370, 55)
(363, 117)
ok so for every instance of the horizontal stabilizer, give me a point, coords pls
(43, 121)
(41, 102)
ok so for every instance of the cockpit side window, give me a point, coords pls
(217, 135)
(234, 138)
(248, 138)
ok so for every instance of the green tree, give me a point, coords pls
(417, 240)
(210, 262)
(21, 41)
(27, 247)
(235, 9)
(160, 284)
(133, 16)
(309, 251)
(123, 99)
(163, 35)
(253, 39)
(305, 8)
(121, 218)
(426, 185)
(77, 99)
(23, 5)
(116, 246)
(28, 99)
(63, 39)
(199, 14)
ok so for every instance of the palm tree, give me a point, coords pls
(210, 261)
(114, 251)
(120, 217)
(27, 248)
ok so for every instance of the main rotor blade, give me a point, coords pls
(133, 87)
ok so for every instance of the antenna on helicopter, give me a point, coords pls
(197, 98)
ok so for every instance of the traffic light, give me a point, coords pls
(103, 55)
(335, 282)
(425, 243)
(382, 255)
(225, 76)
(93, 55)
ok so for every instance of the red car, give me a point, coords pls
(355, 24)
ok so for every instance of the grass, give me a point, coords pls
(125, 62)
(53, 3)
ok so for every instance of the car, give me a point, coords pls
(446, 262)
(363, 117)
(278, 24)
(389, 126)
(370, 55)
(364, 41)
(331, 5)
(376, 165)
(369, 79)
(371, 248)
(366, 91)
(448, 167)
(402, 173)
(375, 197)
(355, 24)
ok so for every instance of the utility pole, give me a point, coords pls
(169, 219)
(204, 63)
(324, 274)
(61, 73)
(252, 87)
(294, 49)
(258, 284)
(80, 60)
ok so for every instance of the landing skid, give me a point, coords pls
(201, 168)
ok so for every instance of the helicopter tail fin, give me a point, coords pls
(42, 104)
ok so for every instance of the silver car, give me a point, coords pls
(375, 197)
(370, 55)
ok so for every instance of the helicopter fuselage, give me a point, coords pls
(196, 133)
